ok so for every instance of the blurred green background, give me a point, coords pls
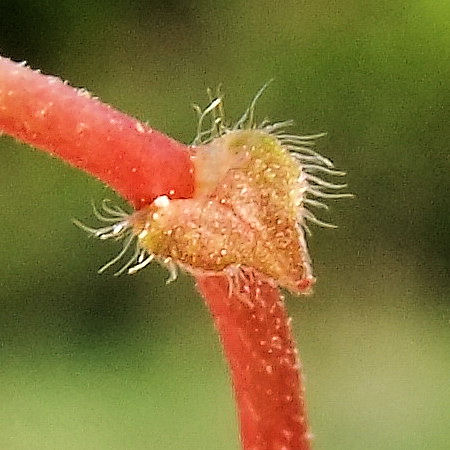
(98, 362)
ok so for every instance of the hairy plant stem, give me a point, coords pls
(141, 164)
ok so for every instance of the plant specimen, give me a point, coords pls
(232, 209)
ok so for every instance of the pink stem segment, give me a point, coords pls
(137, 161)
(259, 347)
(141, 164)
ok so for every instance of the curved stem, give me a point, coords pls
(138, 162)
(141, 164)
(260, 350)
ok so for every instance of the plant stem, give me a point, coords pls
(137, 161)
(141, 164)
(258, 344)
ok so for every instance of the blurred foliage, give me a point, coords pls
(96, 362)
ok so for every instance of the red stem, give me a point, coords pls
(141, 164)
(137, 161)
(258, 344)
